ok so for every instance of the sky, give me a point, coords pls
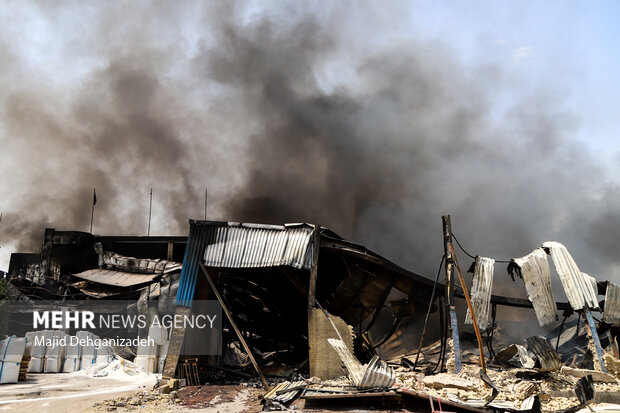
(570, 44)
(374, 118)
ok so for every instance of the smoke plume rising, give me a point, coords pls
(286, 114)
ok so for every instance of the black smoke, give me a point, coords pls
(317, 113)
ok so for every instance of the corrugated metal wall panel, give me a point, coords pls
(611, 314)
(482, 285)
(190, 271)
(578, 288)
(537, 280)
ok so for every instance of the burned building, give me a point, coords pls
(301, 301)
(273, 278)
(70, 264)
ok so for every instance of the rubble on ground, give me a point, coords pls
(145, 401)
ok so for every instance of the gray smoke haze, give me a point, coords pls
(287, 114)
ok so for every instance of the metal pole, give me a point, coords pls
(92, 216)
(596, 339)
(428, 313)
(483, 365)
(92, 211)
(148, 232)
(450, 307)
(316, 245)
(206, 193)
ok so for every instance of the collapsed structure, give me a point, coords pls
(76, 265)
(303, 302)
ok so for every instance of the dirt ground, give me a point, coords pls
(65, 392)
(43, 393)
(212, 398)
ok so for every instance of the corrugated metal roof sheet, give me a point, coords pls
(285, 391)
(482, 285)
(579, 289)
(537, 280)
(240, 245)
(114, 261)
(542, 349)
(117, 278)
(255, 246)
(611, 314)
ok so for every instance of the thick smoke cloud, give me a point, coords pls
(322, 114)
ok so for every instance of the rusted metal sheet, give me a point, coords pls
(116, 278)
(534, 270)
(578, 288)
(514, 355)
(546, 355)
(482, 285)
(253, 246)
(611, 314)
(114, 261)
(285, 391)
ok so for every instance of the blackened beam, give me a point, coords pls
(358, 293)
(386, 294)
(316, 246)
(495, 299)
(395, 323)
(234, 325)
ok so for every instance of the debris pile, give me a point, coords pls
(145, 401)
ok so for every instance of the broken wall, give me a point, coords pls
(323, 360)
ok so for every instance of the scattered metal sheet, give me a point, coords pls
(578, 288)
(312, 393)
(584, 389)
(485, 378)
(515, 355)
(541, 347)
(534, 270)
(116, 278)
(611, 314)
(285, 392)
(482, 285)
(354, 367)
(113, 261)
(376, 374)
(98, 290)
